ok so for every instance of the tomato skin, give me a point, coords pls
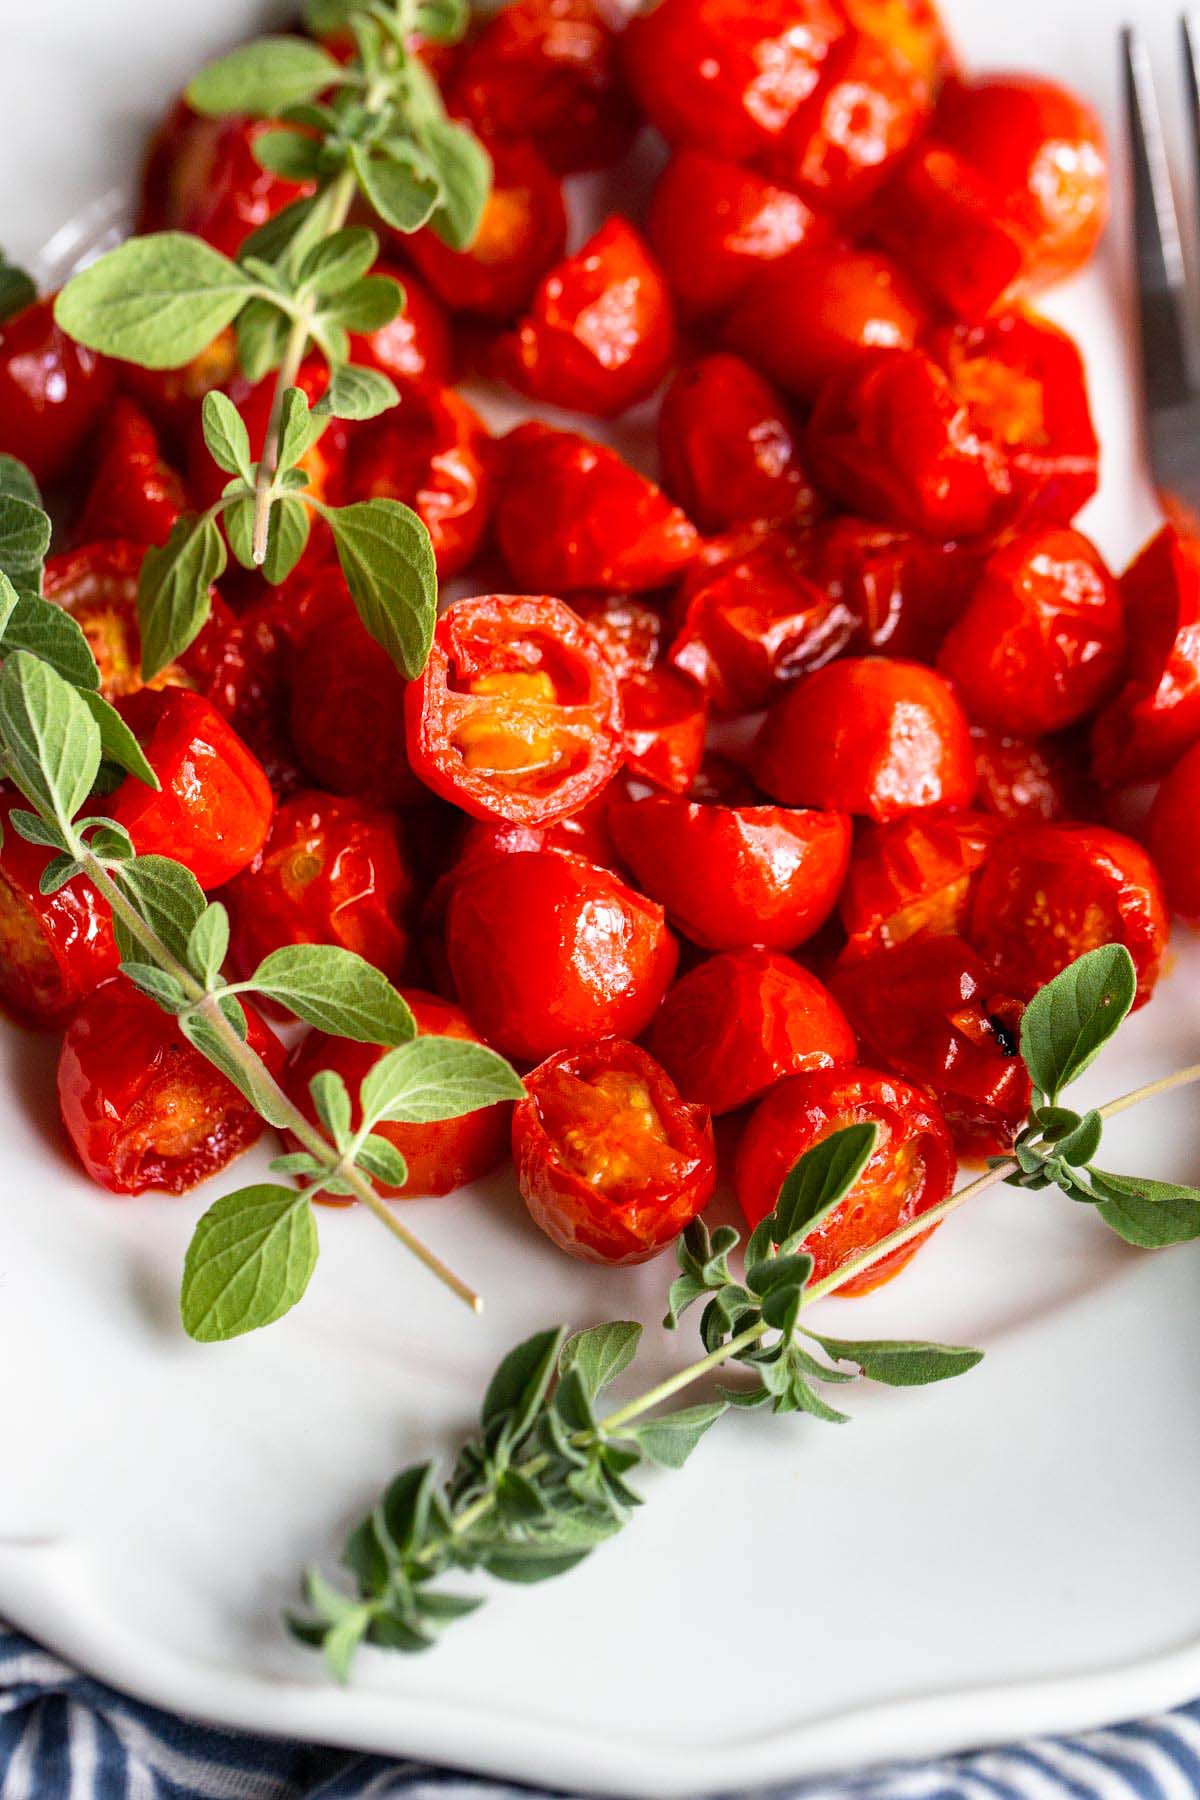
(902, 589)
(666, 719)
(600, 332)
(1050, 892)
(911, 1168)
(500, 752)
(171, 398)
(549, 953)
(739, 1022)
(1041, 640)
(727, 446)
(713, 225)
(1020, 779)
(938, 220)
(522, 234)
(53, 391)
(1172, 836)
(1155, 715)
(913, 879)
(822, 312)
(54, 948)
(572, 515)
(213, 810)
(734, 877)
(202, 176)
(433, 453)
(870, 736)
(635, 1213)
(415, 349)
(134, 494)
(442, 1155)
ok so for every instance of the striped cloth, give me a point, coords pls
(66, 1737)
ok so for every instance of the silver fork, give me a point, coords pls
(1170, 382)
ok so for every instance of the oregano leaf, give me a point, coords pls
(337, 262)
(821, 1179)
(225, 434)
(337, 991)
(669, 1438)
(157, 984)
(208, 943)
(53, 634)
(24, 539)
(263, 77)
(379, 1158)
(433, 1078)
(900, 1364)
(1068, 1022)
(465, 174)
(249, 1262)
(357, 393)
(600, 1353)
(157, 301)
(287, 538)
(387, 560)
(1150, 1214)
(117, 742)
(402, 198)
(251, 1077)
(331, 1098)
(174, 597)
(521, 1380)
(49, 738)
(166, 896)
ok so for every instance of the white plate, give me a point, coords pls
(1014, 1552)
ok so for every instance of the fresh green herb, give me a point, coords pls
(17, 289)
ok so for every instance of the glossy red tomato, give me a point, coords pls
(550, 953)
(433, 453)
(821, 312)
(522, 234)
(141, 1106)
(870, 736)
(1173, 838)
(913, 879)
(1020, 779)
(250, 680)
(202, 176)
(902, 589)
(54, 948)
(171, 398)
(732, 877)
(1155, 715)
(727, 445)
(937, 219)
(413, 349)
(443, 1154)
(134, 493)
(1041, 640)
(1049, 892)
(666, 718)
(53, 392)
(911, 1168)
(912, 30)
(572, 515)
(714, 225)
(738, 1023)
(611, 1163)
(213, 809)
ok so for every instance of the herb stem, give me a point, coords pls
(1123, 1102)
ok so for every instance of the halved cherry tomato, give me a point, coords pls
(431, 452)
(54, 948)
(141, 1106)
(611, 1163)
(1041, 640)
(517, 713)
(913, 879)
(522, 234)
(732, 877)
(134, 493)
(738, 1023)
(911, 1168)
(600, 333)
(550, 953)
(53, 391)
(1050, 892)
(413, 349)
(1173, 838)
(443, 1154)
(868, 735)
(1156, 713)
(664, 712)
(202, 176)
(727, 445)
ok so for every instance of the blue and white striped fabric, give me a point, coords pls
(66, 1737)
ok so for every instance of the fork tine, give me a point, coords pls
(1160, 271)
(1191, 78)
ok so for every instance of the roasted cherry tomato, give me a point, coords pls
(929, 1011)
(600, 334)
(914, 33)
(1046, 780)
(572, 515)
(431, 452)
(141, 1106)
(53, 391)
(666, 718)
(727, 445)
(550, 953)
(611, 1163)
(937, 218)
(1156, 713)
(728, 75)
(54, 948)
(714, 225)
(517, 713)
(732, 877)
(911, 1168)
(1042, 638)
(821, 312)
(170, 398)
(213, 808)
(913, 879)
(202, 176)
(547, 71)
(902, 589)
(250, 680)
(134, 494)
(870, 736)
(522, 234)
(331, 872)
(413, 349)
(890, 438)
(1172, 835)
(443, 1154)
(1050, 892)
(740, 1022)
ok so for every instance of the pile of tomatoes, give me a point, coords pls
(767, 791)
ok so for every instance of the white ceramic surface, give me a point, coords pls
(1013, 1552)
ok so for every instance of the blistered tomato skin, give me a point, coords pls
(913, 879)
(213, 808)
(738, 1023)
(1155, 714)
(443, 1154)
(870, 736)
(1049, 893)
(141, 1106)
(600, 333)
(55, 949)
(53, 391)
(901, 589)
(1174, 839)
(431, 452)
(611, 1162)
(202, 176)
(549, 953)
(1020, 778)
(415, 349)
(517, 713)
(734, 877)
(521, 236)
(1041, 641)
(134, 494)
(911, 1168)
(728, 447)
